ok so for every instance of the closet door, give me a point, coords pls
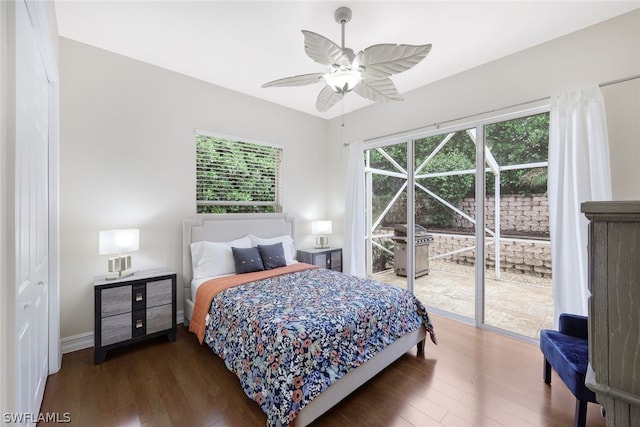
(31, 217)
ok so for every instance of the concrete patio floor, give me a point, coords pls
(516, 303)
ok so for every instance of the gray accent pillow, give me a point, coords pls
(247, 260)
(272, 255)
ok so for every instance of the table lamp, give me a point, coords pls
(321, 229)
(119, 242)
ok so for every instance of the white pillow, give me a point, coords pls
(287, 244)
(211, 259)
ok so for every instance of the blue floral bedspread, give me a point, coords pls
(290, 337)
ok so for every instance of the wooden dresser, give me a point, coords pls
(614, 309)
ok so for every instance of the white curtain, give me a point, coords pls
(354, 227)
(579, 171)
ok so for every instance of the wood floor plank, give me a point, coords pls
(472, 378)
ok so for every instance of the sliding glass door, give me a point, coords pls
(517, 294)
(445, 209)
(476, 199)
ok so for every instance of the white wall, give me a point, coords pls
(622, 103)
(128, 160)
(598, 54)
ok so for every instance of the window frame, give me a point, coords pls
(277, 203)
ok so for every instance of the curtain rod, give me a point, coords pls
(437, 125)
(622, 80)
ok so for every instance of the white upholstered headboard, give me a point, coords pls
(224, 228)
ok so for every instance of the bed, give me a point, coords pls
(250, 352)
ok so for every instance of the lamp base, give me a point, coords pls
(119, 265)
(322, 242)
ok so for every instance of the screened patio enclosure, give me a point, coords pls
(480, 194)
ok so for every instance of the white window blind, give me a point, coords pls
(237, 176)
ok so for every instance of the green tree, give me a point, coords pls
(234, 171)
(519, 141)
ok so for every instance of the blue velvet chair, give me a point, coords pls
(567, 352)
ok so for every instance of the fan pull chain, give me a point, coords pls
(342, 128)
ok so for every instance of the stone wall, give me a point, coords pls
(519, 215)
(516, 256)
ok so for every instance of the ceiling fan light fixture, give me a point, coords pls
(366, 74)
(343, 81)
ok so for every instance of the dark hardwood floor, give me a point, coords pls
(472, 378)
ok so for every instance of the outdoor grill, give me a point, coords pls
(421, 242)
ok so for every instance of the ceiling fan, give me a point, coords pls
(366, 73)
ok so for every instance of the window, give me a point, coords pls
(234, 176)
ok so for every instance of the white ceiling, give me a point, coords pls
(240, 45)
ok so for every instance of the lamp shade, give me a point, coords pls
(118, 241)
(321, 227)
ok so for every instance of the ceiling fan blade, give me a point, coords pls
(379, 90)
(382, 60)
(327, 98)
(301, 80)
(321, 49)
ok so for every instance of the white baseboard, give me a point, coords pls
(76, 342)
(85, 340)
